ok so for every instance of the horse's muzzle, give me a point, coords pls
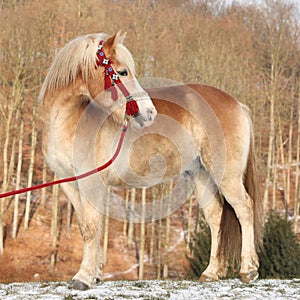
(146, 119)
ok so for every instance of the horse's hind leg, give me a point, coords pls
(89, 220)
(207, 196)
(243, 205)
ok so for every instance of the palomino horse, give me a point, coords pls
(194, 130)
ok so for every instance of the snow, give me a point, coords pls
(156, 289)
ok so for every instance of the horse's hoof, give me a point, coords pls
(247, 277)
(206, 278)
(78, 285)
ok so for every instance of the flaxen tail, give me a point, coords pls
(230, 230)
(252, 186)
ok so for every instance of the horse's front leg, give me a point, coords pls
(90, 224)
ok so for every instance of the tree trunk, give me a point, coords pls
(126, 213)
(44, 179)
(190, 220)
(289, 163)
(275, 179)
(131, 219)
(54, 224)
(159, 244)
(284, 176)
(270, 157)
(142, 240)
(69, 217)
(106, 226)
(31, 166)
(153, 222)
(297, 177)
(18, 175)
(167, 232)
(5, 180)
(2, 210)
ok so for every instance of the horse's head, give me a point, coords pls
(113, 84)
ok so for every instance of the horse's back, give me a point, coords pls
(216, 98)
(200, 100)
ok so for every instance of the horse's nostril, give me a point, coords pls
(151, 113)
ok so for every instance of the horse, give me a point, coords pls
(193, 131)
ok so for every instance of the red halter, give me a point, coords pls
(111, 79)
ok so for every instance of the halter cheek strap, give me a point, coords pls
(111, 80)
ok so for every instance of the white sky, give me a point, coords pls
(250, 1)
(296, 2)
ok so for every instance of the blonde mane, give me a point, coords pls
(78, 57)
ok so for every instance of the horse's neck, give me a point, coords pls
(65, 103)
(74, 122)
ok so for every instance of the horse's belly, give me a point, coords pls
(148, 161)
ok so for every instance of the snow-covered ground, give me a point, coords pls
(156, 290)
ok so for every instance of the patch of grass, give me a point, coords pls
(45, 284)
(124, 296)
(10, 290)
(281, 291)
(156, 297)
(69, 297)
(141, 284)
(295, 282)
(268, 287)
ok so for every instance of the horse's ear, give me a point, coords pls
(111, 43)
(122, 37)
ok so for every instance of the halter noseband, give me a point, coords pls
(111, 79)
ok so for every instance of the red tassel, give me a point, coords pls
(114, 93)
(107, 82)
(132, 108)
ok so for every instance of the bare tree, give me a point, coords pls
(131, 218)
(167, 231)
(155, 198)
(126, 212)
(106, 225)
(190, 220)
(159, 245)
(19, 174)
(31, 163)
(44, 179)
(297, 177)
(142, 237)
(54, 223)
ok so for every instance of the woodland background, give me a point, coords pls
(250, 51)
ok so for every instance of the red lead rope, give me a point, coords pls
(69, 179)
(110, 79)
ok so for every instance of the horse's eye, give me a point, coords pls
(123, 72)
